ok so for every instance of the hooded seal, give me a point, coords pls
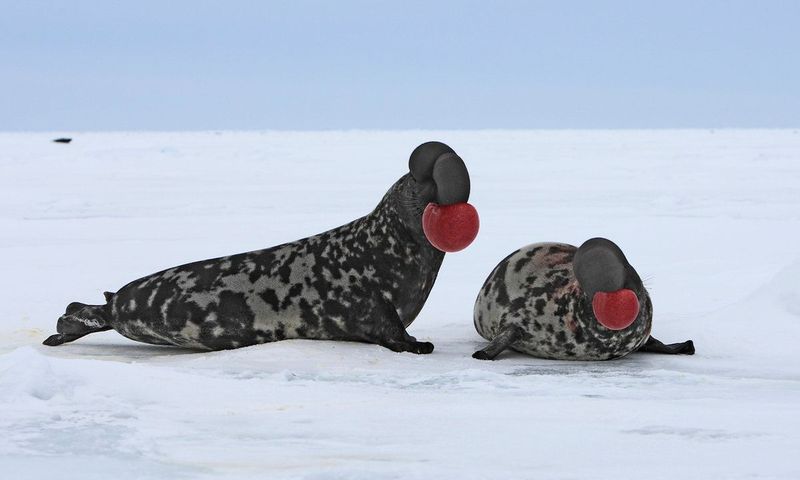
(556, 301)
(365, 281)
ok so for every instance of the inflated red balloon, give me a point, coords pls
(450, 228)
(616, 310)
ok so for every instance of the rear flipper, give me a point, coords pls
(502, 341)
(655, 346)
(79, 320)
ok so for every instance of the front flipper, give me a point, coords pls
(389, 332)
(408, 345)
(655, 346)
(502, 341)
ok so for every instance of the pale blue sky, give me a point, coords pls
(153, 65)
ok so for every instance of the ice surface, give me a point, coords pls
(710, 218)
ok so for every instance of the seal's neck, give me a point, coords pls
(399, 215)
(393, 234)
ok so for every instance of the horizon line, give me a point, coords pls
(389, 130)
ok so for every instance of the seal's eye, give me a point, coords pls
(427, 190)
(616, 310)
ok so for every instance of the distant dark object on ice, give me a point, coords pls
(62, 140)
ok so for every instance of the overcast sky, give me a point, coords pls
(177, 65)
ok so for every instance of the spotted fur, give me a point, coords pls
(535, 290)
(364, 281)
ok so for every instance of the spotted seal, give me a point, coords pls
(552, 300)
(364, 281)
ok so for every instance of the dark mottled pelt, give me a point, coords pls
(536, 289)
(364, 281)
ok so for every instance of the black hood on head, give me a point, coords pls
(600, 266)
(441, 175)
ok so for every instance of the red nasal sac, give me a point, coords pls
(450, 228)
(616, 310)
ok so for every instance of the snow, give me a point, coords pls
(709, 218)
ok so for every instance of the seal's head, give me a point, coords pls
(609, 282)
(442, 184)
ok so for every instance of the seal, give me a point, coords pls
(555, 301)
(365, 281)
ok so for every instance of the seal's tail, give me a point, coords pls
(80, 319)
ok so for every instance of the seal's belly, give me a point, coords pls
(176, 308)
(560, 337)
(212, 333)
(232, 320)
(569, 342)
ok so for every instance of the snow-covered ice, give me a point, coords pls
(711, 220)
